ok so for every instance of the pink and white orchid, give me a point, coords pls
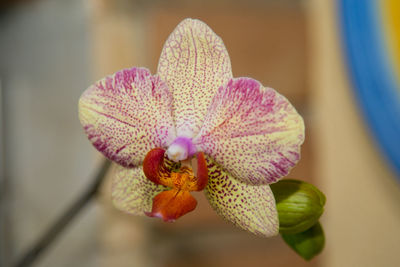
(193, 127)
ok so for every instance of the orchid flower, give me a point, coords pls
(193, 127)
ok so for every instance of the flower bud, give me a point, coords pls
(299, 205)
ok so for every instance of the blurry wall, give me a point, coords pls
(362, 219)
(43, 69)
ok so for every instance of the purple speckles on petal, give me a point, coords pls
(252, 131)
(194, 63)
(249, 207)
(127, 114)
(132, 192)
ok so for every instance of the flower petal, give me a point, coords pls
(249, 207)
(252, 131)
(201, 172)
(157, 168)
(194, 63)
(127, 114)
(172, 204)
(132, 192)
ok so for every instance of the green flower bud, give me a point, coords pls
(299, 205)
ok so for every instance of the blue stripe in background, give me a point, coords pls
(371, 74)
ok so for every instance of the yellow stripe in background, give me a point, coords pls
(391, 23)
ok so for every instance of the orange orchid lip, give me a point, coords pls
(171, 204)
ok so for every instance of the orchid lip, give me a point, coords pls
(181, 149)
(171, 204)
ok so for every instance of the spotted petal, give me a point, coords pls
(249, 207)
(132, 192)
(194, 63)
(252, 131)
(127, 114)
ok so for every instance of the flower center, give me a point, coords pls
(184, 179)
(182, 148)
(180, 177)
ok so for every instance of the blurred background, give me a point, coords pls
(51, 50)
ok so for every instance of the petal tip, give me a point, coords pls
(192, 21)
(160, 216)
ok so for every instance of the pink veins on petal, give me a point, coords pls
(252, 131)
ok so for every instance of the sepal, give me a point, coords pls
(308, 243)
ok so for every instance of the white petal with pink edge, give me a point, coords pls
(132, 192)
(253, 132)
(127, 114)
(250, 207)
(194, 63)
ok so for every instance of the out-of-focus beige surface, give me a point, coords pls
(44, 68)
(362, 219)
